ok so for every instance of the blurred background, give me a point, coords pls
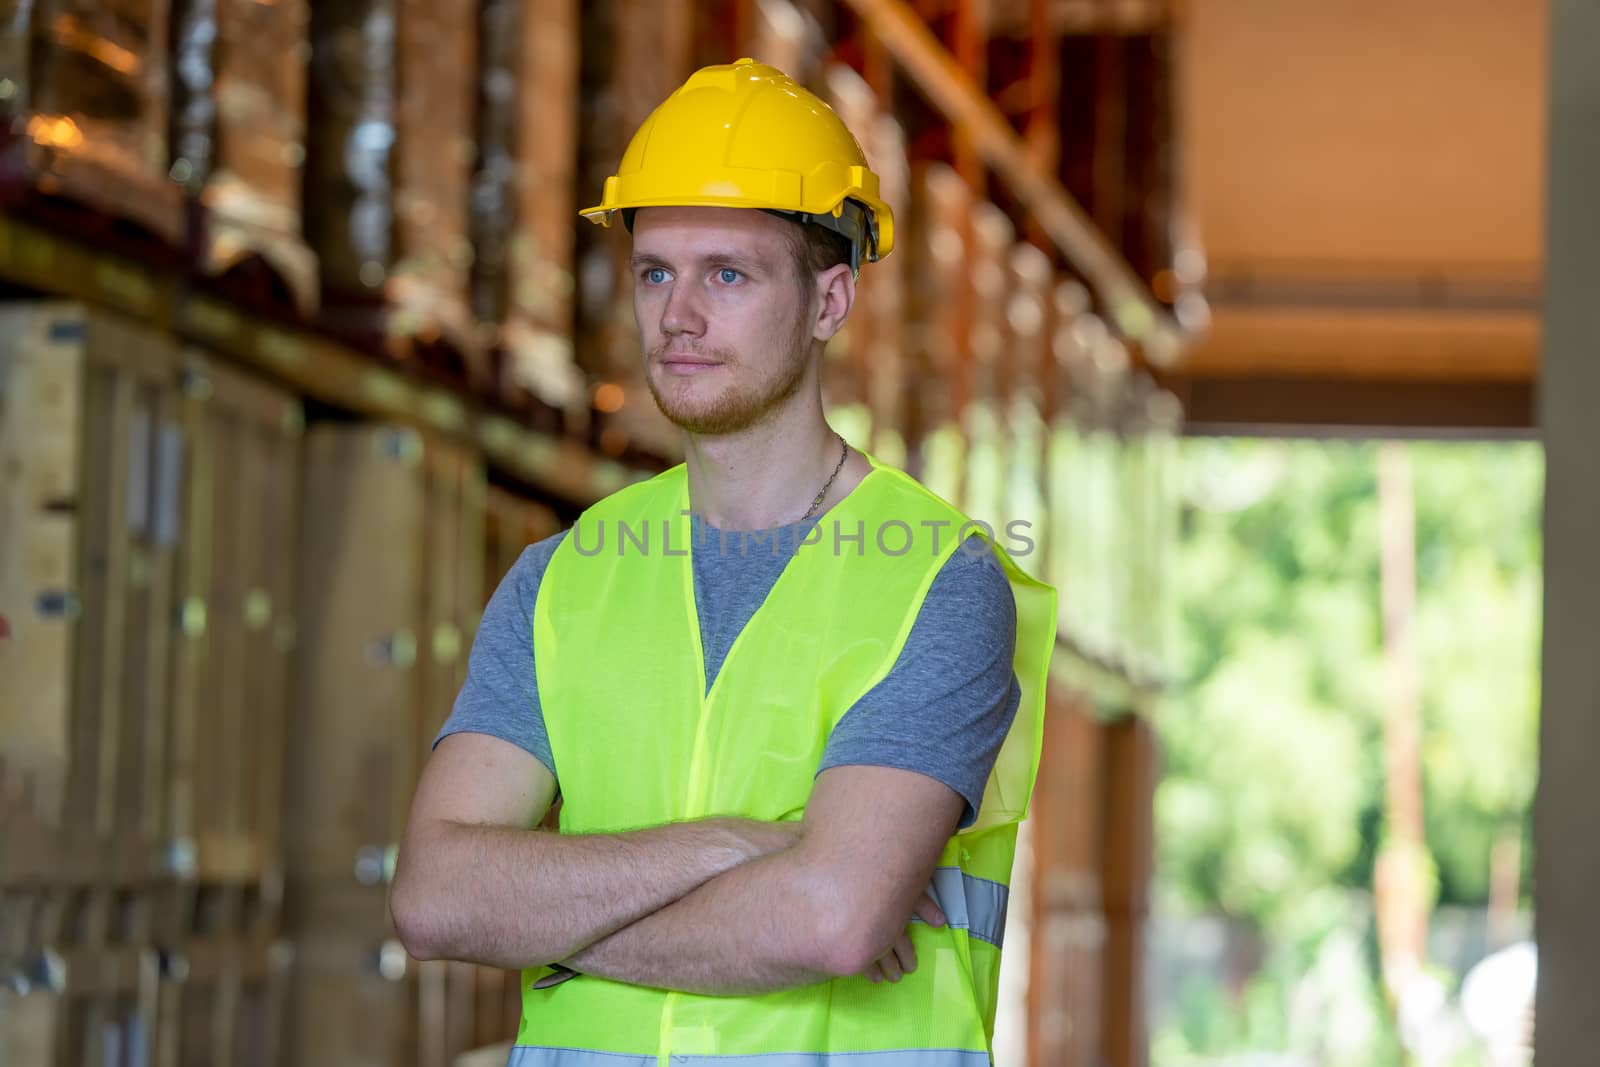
(1240, 304)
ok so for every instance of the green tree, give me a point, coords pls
(1272, 740)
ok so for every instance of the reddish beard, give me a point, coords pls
(737, 405)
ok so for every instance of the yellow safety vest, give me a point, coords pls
(638, 741)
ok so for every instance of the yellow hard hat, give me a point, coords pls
(747, 135)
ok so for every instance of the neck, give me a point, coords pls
(768, 475)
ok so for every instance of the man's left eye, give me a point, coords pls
(727, 275)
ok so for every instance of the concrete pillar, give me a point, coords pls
(1567, 812)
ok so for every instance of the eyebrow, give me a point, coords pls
(714, 258)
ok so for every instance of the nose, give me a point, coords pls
(681, 313)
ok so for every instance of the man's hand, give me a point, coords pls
(901, 959)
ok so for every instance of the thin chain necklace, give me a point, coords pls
(844, 451)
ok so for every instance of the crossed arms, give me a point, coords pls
(718, 906)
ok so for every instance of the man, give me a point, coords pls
(792, 715)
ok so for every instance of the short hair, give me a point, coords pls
(816, 249)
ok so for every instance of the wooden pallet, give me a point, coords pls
(239, 118)
(222, 1001)
(982, 417)
(41, 366)
(394, 536)
(941, 306)
(392, 550)
(1026, 379)
(388, 219)
(353, 728)
(86, 135)
(1131, 769)
(1066, 403)
(114, 861)
(355, 997)
(96, 455)
(88, 984)
(236, 624)
(524, 210)
(147, 613)
(1068, 921)
(463, 1006)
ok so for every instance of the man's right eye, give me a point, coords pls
(655, 275)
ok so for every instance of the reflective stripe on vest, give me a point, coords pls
(975, 905)
(532, 1056)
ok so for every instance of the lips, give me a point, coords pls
(687, 362)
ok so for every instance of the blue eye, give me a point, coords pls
(727, 275)
(655, 275)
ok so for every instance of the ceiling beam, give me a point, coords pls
(1315, 407)
(1011, 18)
(1381, 344)
(1366, 370)
(1134, 312)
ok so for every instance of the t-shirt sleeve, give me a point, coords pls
(947, 703)
(501, 696)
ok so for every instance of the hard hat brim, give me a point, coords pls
(878, 213)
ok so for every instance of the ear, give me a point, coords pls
(836, 292)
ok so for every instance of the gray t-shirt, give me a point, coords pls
(942, 710)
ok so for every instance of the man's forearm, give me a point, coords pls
(517, 898)
(757, 928)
